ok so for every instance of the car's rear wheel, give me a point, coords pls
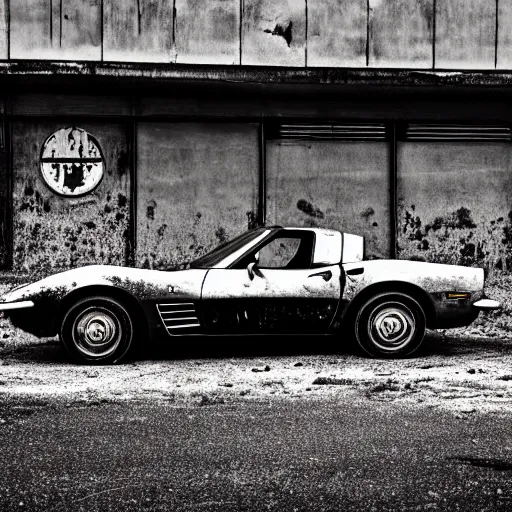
(97, 330)
(390, 325)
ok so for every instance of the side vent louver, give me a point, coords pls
(179, 317)
(455, 132)
(330, 131)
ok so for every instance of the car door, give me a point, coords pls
(282, 294)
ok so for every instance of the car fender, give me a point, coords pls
(141, 283)
(430, 277)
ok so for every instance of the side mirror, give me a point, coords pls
(250, 269)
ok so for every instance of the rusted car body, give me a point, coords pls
(270, 280)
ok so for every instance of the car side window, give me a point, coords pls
(278, 253)
(286, 252)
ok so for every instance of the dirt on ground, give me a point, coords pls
(465, 374)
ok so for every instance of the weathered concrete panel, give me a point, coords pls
(274, 32)
(504, 56)
(34, 17)
(54, 29)
(401, 33)
(337, 33)
(81, 30)
(197, 187)
(339, 185)
(465, 34)
(4, 30)
(138, 31)
(55, 232)
(455, 203)
(208, 32)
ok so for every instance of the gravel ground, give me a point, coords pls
(464, 374)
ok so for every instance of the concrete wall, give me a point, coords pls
(197, 187)
(455, 202)
(332, 184)
(54, 232)
(451, 34)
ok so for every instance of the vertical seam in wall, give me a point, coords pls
(306, 36)
(173, 33)
(9, 231)
(51, 22)
(102, 21)
(262, 189)
(434, 16)
(240, 31)
(8, 23)
(132, 255)
(367, 33)
(139, 14)
(496, 37)
(60, 27)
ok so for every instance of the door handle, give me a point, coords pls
(325, 275)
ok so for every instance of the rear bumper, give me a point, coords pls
(486, 305)
(459, 313)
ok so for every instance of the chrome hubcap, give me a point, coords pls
(97, 332)
(391, 326)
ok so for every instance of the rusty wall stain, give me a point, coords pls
(207, 32)
(138, 31)
(53, 232)
(401, 33)
(337, 33)
(455, 203)
(465, 34)
(197, 188)
(274, 32)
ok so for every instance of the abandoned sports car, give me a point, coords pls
(270, 280)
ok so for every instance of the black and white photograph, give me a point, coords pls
(256, 255)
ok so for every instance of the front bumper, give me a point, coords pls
(486, 304)
(7, 306)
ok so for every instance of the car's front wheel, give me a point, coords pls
(390, 325)
(97, 330)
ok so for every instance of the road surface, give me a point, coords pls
(335, 454)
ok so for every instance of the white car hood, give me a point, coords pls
(141, 283)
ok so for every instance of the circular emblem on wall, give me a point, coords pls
(71, 162)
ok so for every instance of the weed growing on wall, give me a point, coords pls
(456, 239)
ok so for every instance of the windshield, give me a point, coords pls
(212, 258)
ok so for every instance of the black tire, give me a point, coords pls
(390, 325)
(97, 330)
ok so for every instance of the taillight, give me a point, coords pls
(458, 295)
